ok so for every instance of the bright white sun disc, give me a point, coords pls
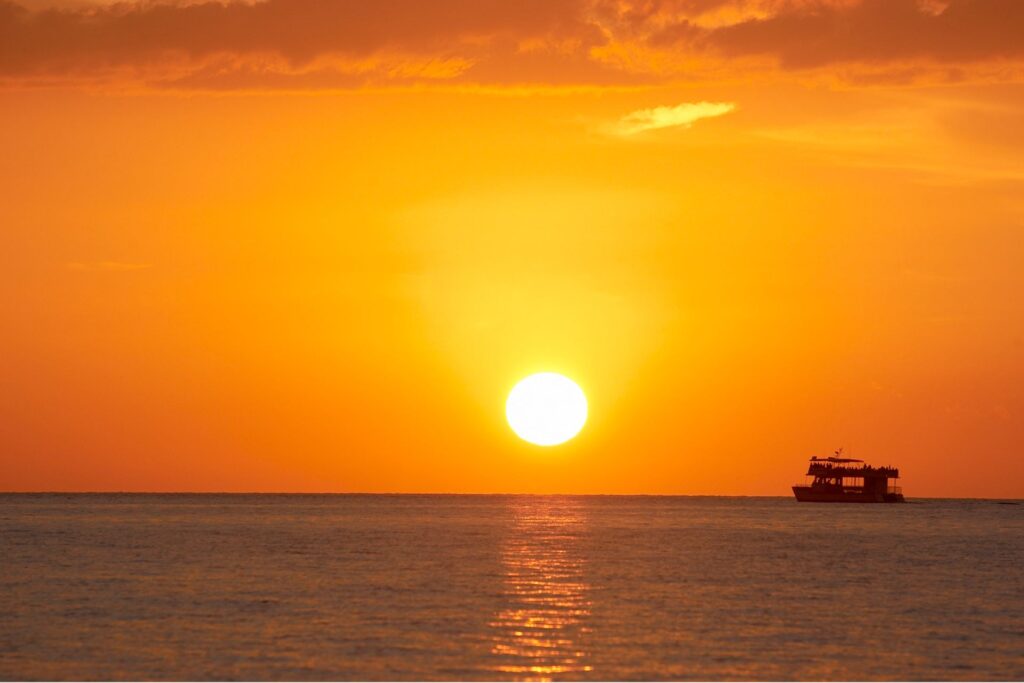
(546, 409)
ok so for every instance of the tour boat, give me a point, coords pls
(847, 480)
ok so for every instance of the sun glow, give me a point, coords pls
(546, 409)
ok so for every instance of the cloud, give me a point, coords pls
(107, 266)
(231, 74)
(803, 35)
(297, 33)
(317, 44)
(682, 115)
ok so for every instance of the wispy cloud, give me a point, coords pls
(682, 115)
(107, 266)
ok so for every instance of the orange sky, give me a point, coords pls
(305, 246)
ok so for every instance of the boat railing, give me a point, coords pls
(826, 469)
(895, 489)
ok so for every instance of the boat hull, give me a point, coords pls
(808, 494)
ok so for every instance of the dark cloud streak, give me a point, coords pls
(277, 43)
(880, 31)
(296, 30)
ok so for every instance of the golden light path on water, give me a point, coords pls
(540, 633)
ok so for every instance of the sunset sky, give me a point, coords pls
(300, 245)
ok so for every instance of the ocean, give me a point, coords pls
(530, 588)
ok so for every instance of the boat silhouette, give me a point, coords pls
(847, 480)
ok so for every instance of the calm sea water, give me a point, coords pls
(507, 587)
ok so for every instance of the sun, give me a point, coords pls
(546, 409)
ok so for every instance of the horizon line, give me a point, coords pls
(446, 493)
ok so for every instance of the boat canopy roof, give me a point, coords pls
(833, 459)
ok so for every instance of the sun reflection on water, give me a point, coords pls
(539, 635)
